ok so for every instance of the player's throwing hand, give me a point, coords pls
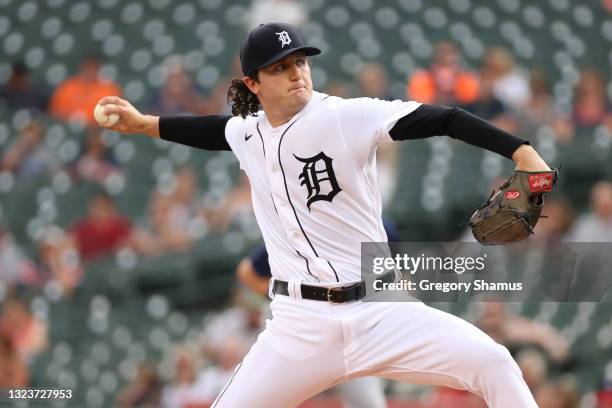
(130, 118)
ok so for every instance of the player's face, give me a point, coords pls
(285, 86)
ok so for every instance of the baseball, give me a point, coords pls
(104, 119)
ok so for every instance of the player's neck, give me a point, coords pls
(278, 116)
(278, 120)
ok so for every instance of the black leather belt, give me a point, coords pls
(336, 294)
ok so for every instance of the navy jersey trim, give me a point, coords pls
(263, 146)
(308, 266)
(280, 143)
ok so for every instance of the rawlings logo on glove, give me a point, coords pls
(510, 215)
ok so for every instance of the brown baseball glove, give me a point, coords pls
(511, 213)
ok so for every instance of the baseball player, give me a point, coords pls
(310, 159)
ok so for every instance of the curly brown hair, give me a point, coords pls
(243, 101)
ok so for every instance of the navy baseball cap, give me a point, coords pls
(269, 43)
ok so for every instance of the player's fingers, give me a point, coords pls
(111, 108)
(115, 100)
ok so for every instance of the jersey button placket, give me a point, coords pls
(278, 188)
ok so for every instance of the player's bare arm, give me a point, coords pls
(203, 132)
(131, 120)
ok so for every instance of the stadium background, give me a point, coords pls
(165, 287)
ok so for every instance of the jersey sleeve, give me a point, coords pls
(234, 133)
(430, 120)
(366, 123)
(202, 132)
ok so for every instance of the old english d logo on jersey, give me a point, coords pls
(318, 173)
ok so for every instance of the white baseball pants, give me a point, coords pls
(309, 346)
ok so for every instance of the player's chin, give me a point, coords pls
(300, 96)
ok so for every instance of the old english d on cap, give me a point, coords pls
(269, 43)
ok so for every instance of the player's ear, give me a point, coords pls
(252, 84)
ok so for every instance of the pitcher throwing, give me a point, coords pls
(310, 159)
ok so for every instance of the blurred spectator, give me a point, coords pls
(76, 97)
(446, 82)
(554, 395)
(28, 155)
(558, 221)
(516, 332)
(165, 230)
(179, 95)
(540, 111)
(373, 81)
(338, 88)
(268, 11)
(510, 85)
(234, 209)
(14, 373)
(595, 226)
(103, 230)
(180, 392)
(548, 396)
(211, 380)
(243, 320)
(19, 93)
(95, 162)
(186, 192)
(60, 259)
(26, 333)
(534, 368)
(487, 105)
(15, 267)
(217, 100)
(144, 391)
(604, 393)
(591, 107)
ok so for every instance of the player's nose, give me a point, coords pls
(295, 73)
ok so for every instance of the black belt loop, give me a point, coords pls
(336, 294)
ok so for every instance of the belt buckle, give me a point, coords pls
(329, 295)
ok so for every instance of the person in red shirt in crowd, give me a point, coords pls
(446, 82)
(77, 96)
(604, 394)
(103, 230)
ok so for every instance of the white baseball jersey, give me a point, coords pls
(313, 182)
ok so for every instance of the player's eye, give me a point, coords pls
(300, 62)
(279, 68)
